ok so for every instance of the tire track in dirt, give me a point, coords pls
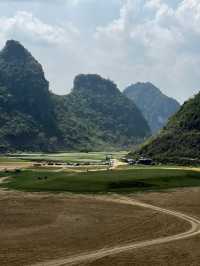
(3, 179)
(94, 255)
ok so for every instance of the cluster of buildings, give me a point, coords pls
(140, 161)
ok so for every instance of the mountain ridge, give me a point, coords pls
(156, 107)
(95, 115)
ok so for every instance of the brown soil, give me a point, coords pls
(42, 227)
(184, 252)
(13, 166)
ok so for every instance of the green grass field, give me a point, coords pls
(66, 157)
(117, 181)
(6, 159)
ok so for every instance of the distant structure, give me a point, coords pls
(145, 161)
(110, 161)
(109, 157)
(141, 160)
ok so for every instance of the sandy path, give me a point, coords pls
(2, 179)
(14, 165)
(92, 256)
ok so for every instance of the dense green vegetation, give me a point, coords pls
(105, 117)
(156, 107)
(123, 181)
(179, 141)
(27, 119)
(94, 116)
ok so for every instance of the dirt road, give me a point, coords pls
(92, 256)
(2, 179)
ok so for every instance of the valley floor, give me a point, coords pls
(184, 252)
(62, 228)
(40, 227)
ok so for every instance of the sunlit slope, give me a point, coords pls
(179, 141)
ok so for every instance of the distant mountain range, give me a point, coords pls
(179, 141)
(95, 115)
(156, 107)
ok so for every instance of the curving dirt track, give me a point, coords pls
(92, 256)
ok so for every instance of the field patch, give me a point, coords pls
(58, 226)
(79, 157)
(119, 181)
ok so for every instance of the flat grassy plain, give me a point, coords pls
(67, 157)
(115, 181)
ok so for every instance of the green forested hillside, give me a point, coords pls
(98, 114)
(179, 141)
(27, 119)
(95, 115)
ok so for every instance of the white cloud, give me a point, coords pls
(29, 27)
(157, 40)
(126, 40)
(56, 47)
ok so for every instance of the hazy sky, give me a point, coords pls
(124, 40)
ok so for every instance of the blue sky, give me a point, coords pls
(124, 40)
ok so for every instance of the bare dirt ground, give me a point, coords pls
(14, 165)
(42, 227)
(185, 252)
